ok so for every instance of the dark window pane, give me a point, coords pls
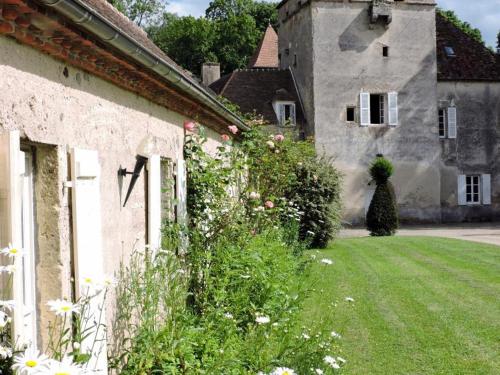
(350, 114)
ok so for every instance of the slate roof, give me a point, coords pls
(256, 89)
(472, 60)
(266, 55)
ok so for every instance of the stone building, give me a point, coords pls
(393, 78)
(85, 95)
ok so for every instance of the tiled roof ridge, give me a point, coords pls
(260, 70)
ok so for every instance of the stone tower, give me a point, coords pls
(366, 72)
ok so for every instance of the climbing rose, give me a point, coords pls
(279, 137)
(189, 125)
(233, 129)
(225, 137)
(269, 204)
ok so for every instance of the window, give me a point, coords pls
(450, 52)
(350, 112)
(385, 51)
(442, 123)
(377, 109)
(285, 112)
(472, 189)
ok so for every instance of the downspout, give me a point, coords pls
(80, 14)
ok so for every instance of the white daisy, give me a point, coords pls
(4, 320)
(341, 360)
(228, 316)
(62, 307)
(331, 361)
(30, 362)
(10, 269)
(8, 305)
(349, 299)
(5, 352)
(326, 261)
(89, 284)
(261, 319)
(305, 336)
(283, 371)
(335, 335)
(65, 367)
(319, 371)
(11, 251)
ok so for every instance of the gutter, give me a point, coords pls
(88, 19)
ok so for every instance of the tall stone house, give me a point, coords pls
(87, 105)
(394, 78)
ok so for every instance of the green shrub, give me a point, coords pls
(382, 217)
(316, 193)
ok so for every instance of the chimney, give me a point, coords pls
(210, 72)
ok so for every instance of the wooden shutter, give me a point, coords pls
(293, 115)
(11, 163)
(154, 202)
(486, 188)
(181, 193)
(393, 108)
(364, 103)
(281, 114)
(461, 192)
(452, 122)
(87, 240)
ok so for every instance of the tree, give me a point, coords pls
(498, 43)
(142, 12)
(382, 217)
(462, 25)
(188, 40)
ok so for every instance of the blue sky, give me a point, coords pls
(483, 14)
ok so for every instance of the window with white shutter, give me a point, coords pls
(286, 113)
(452, 122)
(364, 103)
(87, 240)
(461, 190)
(486, 188)
(393, 108)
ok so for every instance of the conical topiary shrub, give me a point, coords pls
(382, 217)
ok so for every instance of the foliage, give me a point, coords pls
(466, 27)
(498, 43)
(229, 34)
(142, 12)
(382, 217)
(316, 193)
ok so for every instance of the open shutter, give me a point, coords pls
(461, 190)
(364, 103)
(87, 240)
(154, 202)
(452, 122)
(293, 114)
(281, 114)
(11, 162)
(486, 187)
(393, 108)
(181, 193)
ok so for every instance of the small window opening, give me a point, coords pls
(350, 114)
(377, 108)
(295, 60)
(450, 52)
(442, 123)
(385, 51)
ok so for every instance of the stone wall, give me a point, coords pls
(58, 107)
(476, 150)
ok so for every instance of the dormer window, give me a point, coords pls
(450, 52)
(285, 112)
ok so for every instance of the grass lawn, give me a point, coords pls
(422, 305)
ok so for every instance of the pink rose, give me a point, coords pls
(189, 125)
(269, 204)
(233, 129)
(225, 137)
(279, 137)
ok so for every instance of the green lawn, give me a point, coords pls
(422, 305)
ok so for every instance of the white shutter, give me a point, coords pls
(293, 114)
(364, 103)
(181, 193)
(393, 108)
(154, 202)
(461, 192)
(11, 221)
(281, 114)
(452, 122)
(486, 187)
(87, 240)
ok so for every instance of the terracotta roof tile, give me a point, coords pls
(266, 55)
(472, 60)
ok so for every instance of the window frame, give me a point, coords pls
(382, 110)
(353, 108)
(293, 113)
(442, 115)
(473, 180)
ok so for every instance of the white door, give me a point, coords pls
(28, 241)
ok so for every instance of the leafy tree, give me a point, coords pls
(498, 43)
(462, 25)
(382, 217)
(188, 40)
(142, 12)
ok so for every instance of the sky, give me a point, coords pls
(483, 14)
